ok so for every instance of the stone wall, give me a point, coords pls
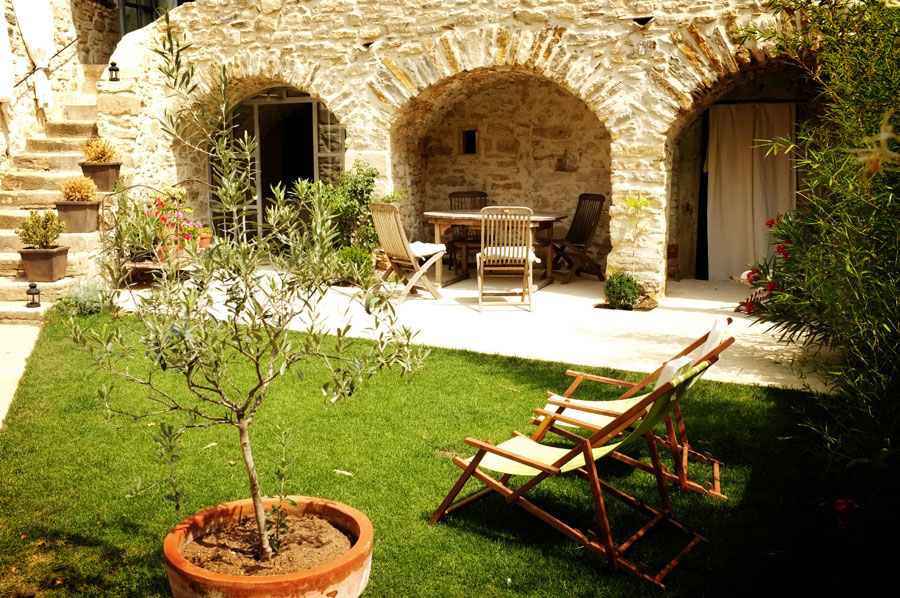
(382, 66)
(97, 30)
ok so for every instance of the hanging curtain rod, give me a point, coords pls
(61, 50)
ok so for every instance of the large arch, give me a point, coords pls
(530, 142)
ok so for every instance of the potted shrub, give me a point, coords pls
(42, 259)
(213, 340)
(621, 289)
(101, 163)
(78, 209)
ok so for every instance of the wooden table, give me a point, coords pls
(540, 221)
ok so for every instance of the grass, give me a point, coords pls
(67, 528)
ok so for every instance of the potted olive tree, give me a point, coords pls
(101, 163)
(78, 209)
(208, 344)
(42, 259)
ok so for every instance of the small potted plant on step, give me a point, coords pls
(78, 209)
(101, 163)
(42, 259)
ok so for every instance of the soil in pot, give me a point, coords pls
(308, 542)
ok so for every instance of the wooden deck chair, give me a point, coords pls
(464, 238)
(409, 261)
(506, 250)
(573, 249)
(703, 349)
(528, 458)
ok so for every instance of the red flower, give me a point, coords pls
(771, 286)
(844, 511)
(788, 241)
(770, 223)
(782, 251)
(749, 306)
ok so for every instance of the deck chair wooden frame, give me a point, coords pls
(676, 439)
(572, 250)
(528, 457)
(410, 262)
(464, 238)
(506, 250)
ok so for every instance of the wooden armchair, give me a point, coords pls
(506, 250)
(464, 238)
(573, 249)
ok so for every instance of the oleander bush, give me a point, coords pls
(835, 278)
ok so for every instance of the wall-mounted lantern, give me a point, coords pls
(113, 72)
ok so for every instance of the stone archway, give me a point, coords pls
(515, 135)
(769, 83)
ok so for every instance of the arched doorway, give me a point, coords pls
(723, 185)
(297, 138)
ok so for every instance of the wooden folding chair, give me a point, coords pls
(573, 249)
(506, 251)
(464, 238)
(529, 458)
(704, 348)
(409, 261)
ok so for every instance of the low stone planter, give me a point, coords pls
(44, 265)
(104, 174)
(345, 576)
(79, 216)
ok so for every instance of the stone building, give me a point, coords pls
(531, 101)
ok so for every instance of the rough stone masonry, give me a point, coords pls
(566, 97)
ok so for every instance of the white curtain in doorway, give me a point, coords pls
(746, 187)
(35, 19)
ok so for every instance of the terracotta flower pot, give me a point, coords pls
(104, 174)
(44, 265)
(162, 253)
(204, 240)
(346, 576)
(79, 216)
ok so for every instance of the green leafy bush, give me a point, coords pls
(89, 296)
(355, 263)
(40, 230)
(835, 279)
(622, 291)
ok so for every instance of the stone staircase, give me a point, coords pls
(31, 181)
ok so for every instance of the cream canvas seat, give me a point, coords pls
(409, 261)
(506, 250)
(534, 460)
(598, 412)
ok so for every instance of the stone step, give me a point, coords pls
(15, 312)
(76, 242)
(13, 289)
(81, 112)
(77, 264)
(54, 144)
(71, 128)
(29, 199)
(29, 180)
(67, 161)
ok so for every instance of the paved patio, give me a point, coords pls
(566, 326)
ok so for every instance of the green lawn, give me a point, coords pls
(67, 528)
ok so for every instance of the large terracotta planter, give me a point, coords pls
(344, 577)
(79, 216)
(104, 174)
(44, 265)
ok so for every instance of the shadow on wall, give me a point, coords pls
(97, 28)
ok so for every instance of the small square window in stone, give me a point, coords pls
(470, 141)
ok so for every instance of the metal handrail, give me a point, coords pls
(34, 70)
